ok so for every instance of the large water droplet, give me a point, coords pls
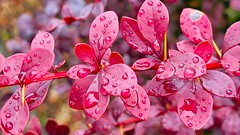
(9, 126)
(125, 76)
(91, 99)
(28, 59)
(125, 93)
(204, 109)
(189, 72)
(102, 18)
(16, 96)
(8, 115)
(150, 3)
(150, 22)
(229, 92)
(6, 69)
(105, 81)
(169, 86)
(195, 59)
(31, 97)
(82, 72)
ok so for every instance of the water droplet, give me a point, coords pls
(189, 72)
(159, 10)
(102, 18)
(105, 81)
(125, 93)
(190, 124)
(133, 86)
(151, 92)
(82, 72)
(41, 42)
(91, 99)
(195, 59)
(6, 69)
(94, 25)
(110, 21)
(159, 4)
(141, 12)
(28, 59)
(105, 25)
(38, 64)
(97, 110)
(150, 3)
(229, 92)
(33, 74)
(8, 115)
(124, 34)
(16, 108)
(104, 31)
(46, 35)
(226, 66)
(160, 70)
(9, 126)
(162, 17)
(114, 85)
(204, 109)
(31, 97)
(72, 104)
(125, 76)
(144, 101)
(93, 42)
(181, 65)
(150, 22)
(16, 96)
(108, 39)
(95, 35)
(140, 114)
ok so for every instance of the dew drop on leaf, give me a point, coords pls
(125, 76)
(150, 3)
(150, 22)
(226, 66)
(82, 72)
(141, 12)
(144, 101)
(97, 110)
(181, 65)
(91, 99)
(9, 126)
(16, 108)
(105, 81)
(16, 96)
(8, 115)
(160, 70)
(162, 17)
(143, 64)
(140, 114)
(114, 85)
(102, 18)
(195, 59)
(31, 97)
(6, 69)
(189, 72)
(190, 124)
(108, 39)
(29, 59)
(125, 93)
(204, 109)
(46, 35)
(229, 92)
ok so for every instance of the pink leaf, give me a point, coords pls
(78, 92)
(36, 93)
(171, 121)
(231, 124)
(43, 40)
(188, 65)
(231, 36)
(194, 108)
(13, 65)
(118, 79)
(37, 63)
(134, 37)
(115, 58)
(165, 87)
(144, 64)
(86, 54)
(14, 114)
(141, 110)
(204, 50)
(130, 99)
(103, 32)
(35, 125)
(229, 62)
(195, 25)
(219, 84)
(2, 62)
(234, 51)
(173, 53)
(5, 80)
(153, 21)
(80, 71)
(165, 70)
(185, 46)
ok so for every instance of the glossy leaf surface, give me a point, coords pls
(185, 46)
(130, 99)
(165, 70)
(231, 36)
(43, 40)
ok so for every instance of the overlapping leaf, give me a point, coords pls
(115, 58)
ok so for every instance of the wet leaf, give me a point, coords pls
(165, 70)
(173, 53)
(141, 110)
(43, 40)
(35, 125)
(14, 114)
(37, 63)
(80, 71)
(103, 32)
(153, 21)
(185, 46)
(195, 107)
(5, 80)
(231, 36)
(218, 83)
(36, 93)
(134, 37)
(144, 64)
(195, 25)
(86, 54)
(204, 50)
(130, 99)
(118, 78)
(115, 58)
(188, 65)
(229, 62)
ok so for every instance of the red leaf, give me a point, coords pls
(62, 130)
(51, 126)
(194, 108)
(80, 71)
(2, 62)
(35, 125)
(204, 50)
(141, 110)
(14, 114)
(231, 36)
(43, 40)
(86, 54)
(115, 58)
(188, 65)
(78, 92)
(144, 64)
(195, 25)
(185, 46)
(153, 21)
(37, 63)
(165, 70)
(13, 65)
(219, 84)
(103, 32)
(134, 37)
(130, 99)
(36, 93)
(165, 87)
(118, 78)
